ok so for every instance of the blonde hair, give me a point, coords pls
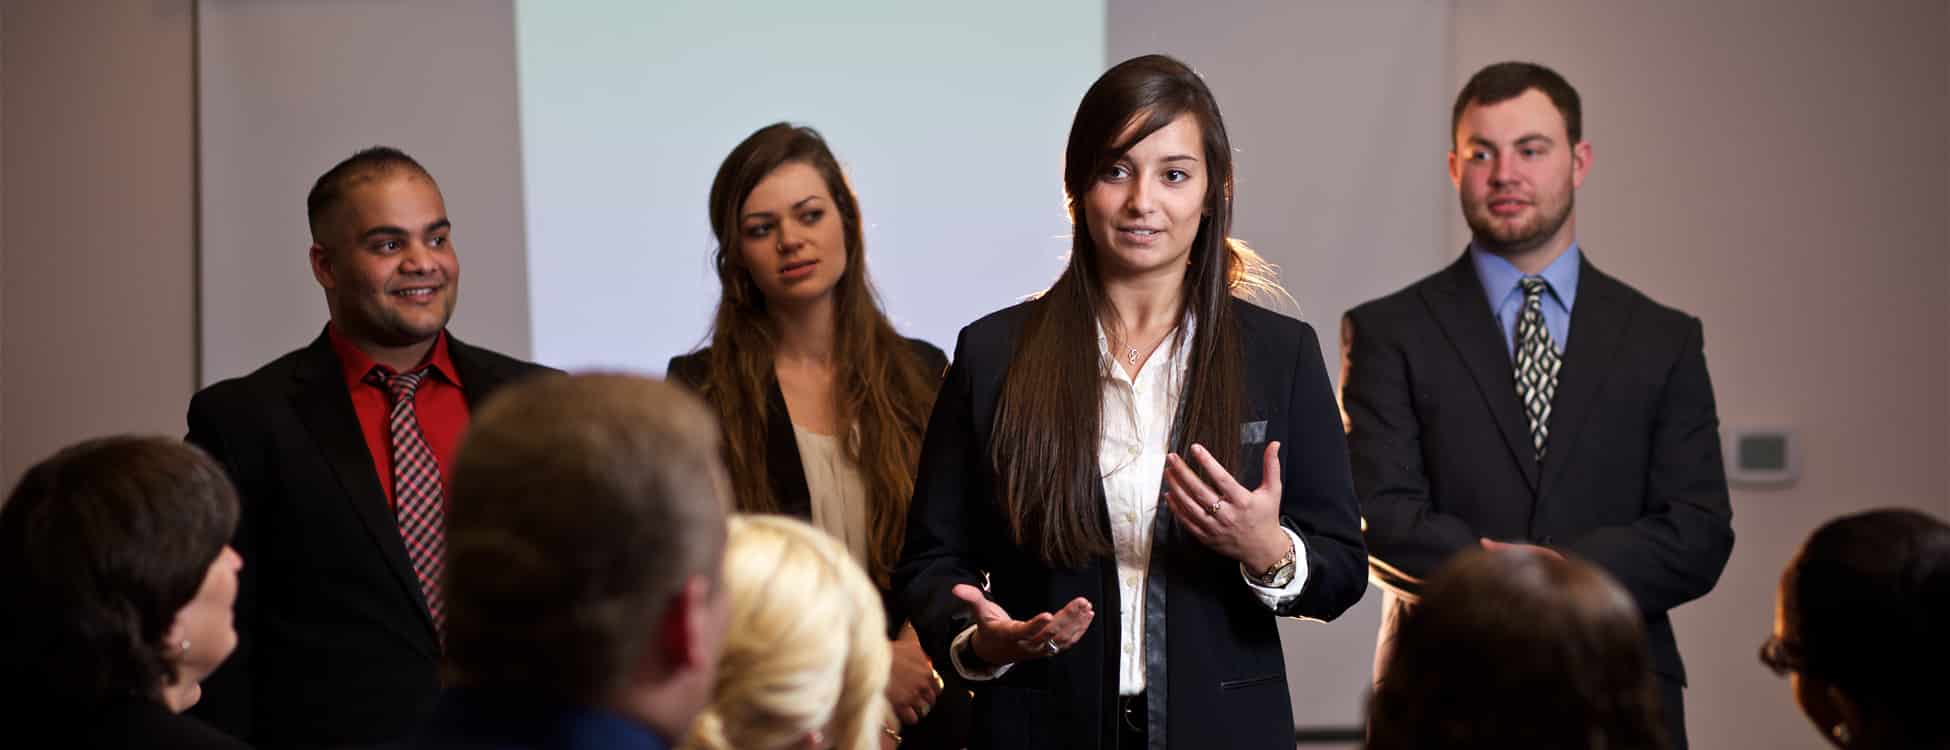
(785, 672)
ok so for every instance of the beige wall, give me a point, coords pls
(289, 88)
(96, 301)
(1781, 171)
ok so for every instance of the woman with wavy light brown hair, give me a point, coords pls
(1145, 468)
(1517, 648)
(805, 656)
(823, 403)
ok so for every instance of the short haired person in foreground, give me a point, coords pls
(1523, 397)
(1860, 628)
(116, 583)
(342, 451)
(1128, 479)
(586, 539)
(1517, 648)
(806, 655)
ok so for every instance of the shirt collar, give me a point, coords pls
(355, 362)
(1500, 277)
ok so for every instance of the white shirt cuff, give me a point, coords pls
(954, 657)
(1277, 598)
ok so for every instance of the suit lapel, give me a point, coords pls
(323, 405)
(478, 377)
(1456, 300)
(787, 467)
(1597, 323)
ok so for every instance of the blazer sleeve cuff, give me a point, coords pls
(954, 657)
(1276, 599)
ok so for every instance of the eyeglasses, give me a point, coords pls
(1782, 656)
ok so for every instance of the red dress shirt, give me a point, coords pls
(439, 404)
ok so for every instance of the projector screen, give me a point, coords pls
(949, 119)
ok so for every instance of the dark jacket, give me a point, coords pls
(335, 645)
(481, 720)
(1213, 666)
(1632, 479)
(130, 723)
(946, 725)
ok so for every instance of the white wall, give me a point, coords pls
(1336, 112)
(1780, 170)
(290, 87)
(96, 301)
(950, 121)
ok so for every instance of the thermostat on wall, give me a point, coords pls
(1762, 455)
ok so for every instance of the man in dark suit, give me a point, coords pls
(340, 451)
(1521, 397)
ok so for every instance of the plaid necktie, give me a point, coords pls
(1537, 362)
(416, 489)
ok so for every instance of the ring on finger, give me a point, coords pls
(1051, 647)
(1212, 510)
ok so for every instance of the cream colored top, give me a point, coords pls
(839, 495)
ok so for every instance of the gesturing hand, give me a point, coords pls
(1241, 524)
(1000, 639)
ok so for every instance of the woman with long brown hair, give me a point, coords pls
(823, 403)
(1070, 423)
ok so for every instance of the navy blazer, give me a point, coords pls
(473, 719)
(335, 645)
(1225, 685)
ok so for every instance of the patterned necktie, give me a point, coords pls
(1537, 362)
(416, 489)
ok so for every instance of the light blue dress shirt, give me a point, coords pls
(1500, 287)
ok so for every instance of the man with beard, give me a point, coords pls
(341, 452)
(1523, 398)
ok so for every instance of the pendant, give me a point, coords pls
(1133, 355)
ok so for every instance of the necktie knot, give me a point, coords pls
(1533, 286)
(400, 386)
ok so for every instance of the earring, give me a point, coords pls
(1841, 734)
(183, 649)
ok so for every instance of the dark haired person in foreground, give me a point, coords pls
(342, 452)
(116, 585)
(1860, 627)
(823, 401)
(1517, 648)
(1522, 397)
(1143, 469)
(583, 590)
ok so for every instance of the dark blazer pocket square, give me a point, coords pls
(1252, 432)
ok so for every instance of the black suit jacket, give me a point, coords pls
(335, 643)
(1631, 479)
(1224, 684)
(946, 725)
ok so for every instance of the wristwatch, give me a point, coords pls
(1280, 573)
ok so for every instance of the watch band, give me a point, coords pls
(1270, 577)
